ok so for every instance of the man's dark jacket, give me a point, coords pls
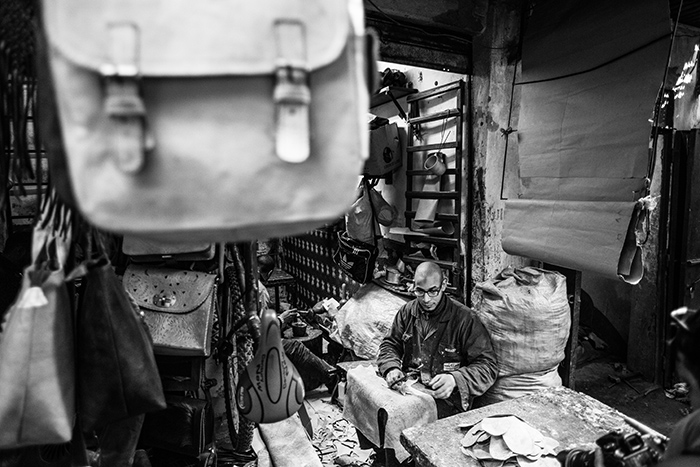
(456, 343)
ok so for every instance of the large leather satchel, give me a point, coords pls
(178, 306)
(210, 121)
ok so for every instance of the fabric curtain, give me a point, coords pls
(591, 73)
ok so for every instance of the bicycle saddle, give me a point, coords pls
(270, 389)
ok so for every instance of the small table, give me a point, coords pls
(278, 278)
(572, 418)
(312, 339)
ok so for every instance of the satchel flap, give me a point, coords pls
(168, 290)
(206, 37)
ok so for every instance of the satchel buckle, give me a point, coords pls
(123, 102)
(291, 95)
(164, 301)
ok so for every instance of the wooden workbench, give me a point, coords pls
(572, 418)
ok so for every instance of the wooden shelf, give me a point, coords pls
(432, 195)
(439, 216)
(420, 259)
(384, 95)
(435, 116)
(432, 147)
(446, 241)
(423, 172)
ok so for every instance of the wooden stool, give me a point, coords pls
(277, 279)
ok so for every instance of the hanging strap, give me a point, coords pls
(371, 206)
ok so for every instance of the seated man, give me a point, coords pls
(314, 371)
(442, 340)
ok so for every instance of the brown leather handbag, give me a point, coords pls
(178, 306)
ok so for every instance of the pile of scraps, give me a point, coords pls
(506, 440)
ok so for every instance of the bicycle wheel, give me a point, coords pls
(239, 346)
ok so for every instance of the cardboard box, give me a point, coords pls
(385, 153)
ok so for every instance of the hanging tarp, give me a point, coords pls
(591, 73)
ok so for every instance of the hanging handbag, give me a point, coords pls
(178, 306)
(144, 250)
(37, 366)
(356, 258)
(214, 121)
(117, 372)
(37, 369)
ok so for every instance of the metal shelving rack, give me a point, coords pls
(449, 248)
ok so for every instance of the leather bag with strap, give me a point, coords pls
(178, 307)
(210, 121)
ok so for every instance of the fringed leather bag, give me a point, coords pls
(117, 372)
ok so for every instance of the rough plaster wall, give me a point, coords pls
(494, 66)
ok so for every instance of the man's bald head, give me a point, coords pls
(429, 285)
(427, 270)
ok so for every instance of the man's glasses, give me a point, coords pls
(431, 293)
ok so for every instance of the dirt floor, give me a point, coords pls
(599, 375)
(612, 383)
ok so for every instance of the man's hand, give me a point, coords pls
(393, 376)
(442, 385)
(288, 317)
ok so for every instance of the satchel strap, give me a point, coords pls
(292, 95)
(168, 290)
(123, 103)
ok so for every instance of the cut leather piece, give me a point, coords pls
(178, 307)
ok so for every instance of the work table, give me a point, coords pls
(572, 418)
